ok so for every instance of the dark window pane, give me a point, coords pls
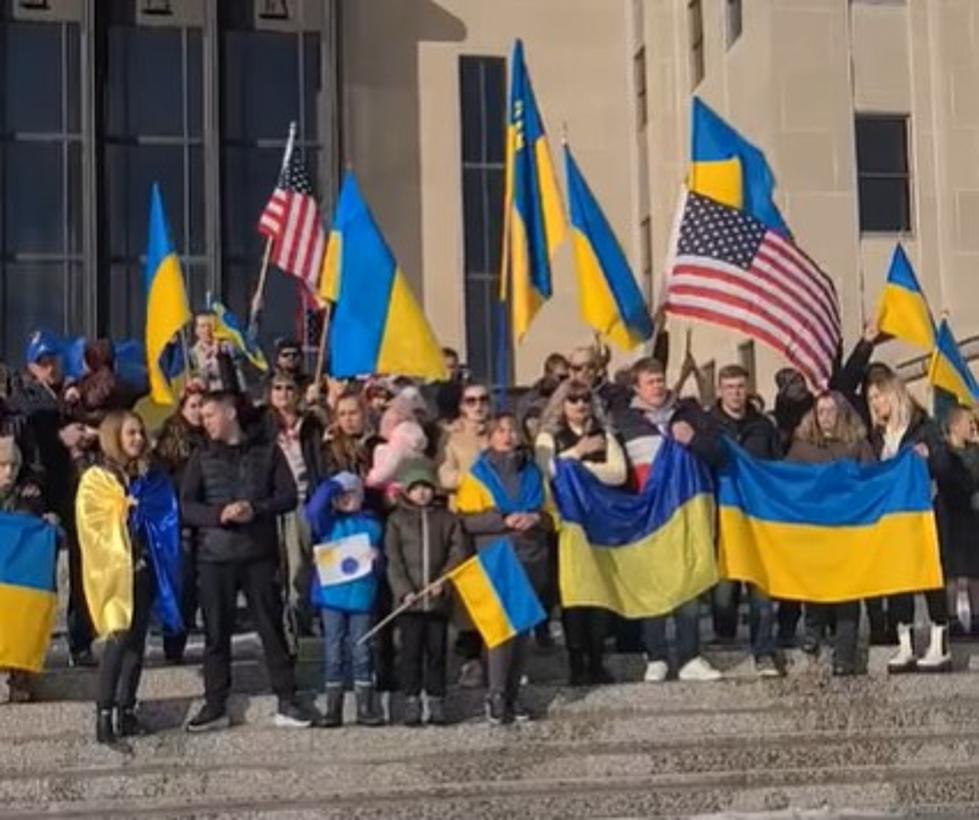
(882, 145)
(312, 85)
(33, 207)
(239, 281)
(494, 217)
(73, 77)
(470, 83)
(144, 94)
(474, 220)
(74, 197)
(478, 328)
(195, 84)
(884, 204)
(249, 178)
(281, 314)
(195, 280)
(32, 76)
(260, 84)
(127, 302)
(33, 297)
(198, 238)
(494, 87)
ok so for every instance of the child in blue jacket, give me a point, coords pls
(335, 512)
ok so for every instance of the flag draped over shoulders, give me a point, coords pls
(829, 532)
(639, 555)
(481, 490)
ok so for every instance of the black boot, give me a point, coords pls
(576, 663)
(128, 725)
(367, 712)
(334, 707)
(105, 732)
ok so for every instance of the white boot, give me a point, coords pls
(937, 658)
(904, 660)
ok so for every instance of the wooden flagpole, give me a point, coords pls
(405, 606)
(257, 298)
(321, 353)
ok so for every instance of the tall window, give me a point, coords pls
(883, 176)
(695, 25)
(733, 21)
(153, 133)
(270, 76)
(40, 177)
(482, 84)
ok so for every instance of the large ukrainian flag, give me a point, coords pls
(639, 555)
(949, 370)
(727, 168)
(903, 311)
(28, 600)
(167, 309)
(610, 299)
(497, 594)
(830, 532)
(534, 215)
(376, 325)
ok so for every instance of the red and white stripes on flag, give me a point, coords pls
(291, 219)
(729, 269)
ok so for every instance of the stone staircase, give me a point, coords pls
(805, 745)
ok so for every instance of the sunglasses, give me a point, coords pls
(579, 399)
(472, 401)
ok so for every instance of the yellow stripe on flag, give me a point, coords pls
(26, 623)
(408, 344)
(482, 603)
(598, 308)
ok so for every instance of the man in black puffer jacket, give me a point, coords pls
(232, 491)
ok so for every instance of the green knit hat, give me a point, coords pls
(418, 471)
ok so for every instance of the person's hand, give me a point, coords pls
(871, 331)
(521, 522)
(682, 432)
(589, 445)
(409, 598)
(245, 513)
(52, 519)
(313, 393)
(436, 591)
(512, 520)
(921, 449)
(72, 395)
(228, 513)
(72, 434)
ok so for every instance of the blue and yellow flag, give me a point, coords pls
(227, 328)
(167, 309)
(376, 325)
(638, 554)
(829, 532)
(903, 311)
(497, 594)
(610, 299)
(28, 600)
(949, 370)
(727, 168)
(534, 215)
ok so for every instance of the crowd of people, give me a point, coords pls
(266, 471)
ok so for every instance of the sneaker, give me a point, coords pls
(84, 659)
(295, 715)
(698, 669)
(209, 719)
(413, 711)
(471, 675)
(656, 672)
(517, 712)
(765, 667)
(496, 712)
(436, 712)
(810, 643)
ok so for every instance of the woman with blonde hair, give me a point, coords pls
(572, 426)
(829, 432)
(897, 421)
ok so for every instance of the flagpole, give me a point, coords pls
(321, 352)
(256, 304)
(405, 606)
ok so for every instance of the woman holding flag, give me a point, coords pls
(502, 496)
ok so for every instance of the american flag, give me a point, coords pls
(291, 219)
(730, 270)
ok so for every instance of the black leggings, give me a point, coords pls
(901, 607)
(122, 659)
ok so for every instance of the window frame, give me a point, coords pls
(907, 228)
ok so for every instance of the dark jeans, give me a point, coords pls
(382, 644)
(174, 645)
(725, 600)
(79, 623)
(585, 628)
(846, 616)
(219, 585)
(789, 614)
(341, 633)
(686, 619)
(122, 659)
(506, 664)
(761, 615)
(424, 643)
(901, 607)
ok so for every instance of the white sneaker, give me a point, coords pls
(698, 669)
(656, 671)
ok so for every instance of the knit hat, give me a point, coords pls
(350, 483)
(417, 471)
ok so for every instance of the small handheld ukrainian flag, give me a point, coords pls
(727, 168)
(903, 311)
(167, 309)
(610, 299)
(227, 328)
(949, 370)
(534, 215)
(376, 325)
(497, 594)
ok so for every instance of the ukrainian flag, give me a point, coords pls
(167, 309)
(611, 301)
(28, 600)
(639, 555)
(227, 328)
(497, 594)
(903, 311)
(727, 168)
(830, 532)
(376, 325)
(534, 215)
(949, 371)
